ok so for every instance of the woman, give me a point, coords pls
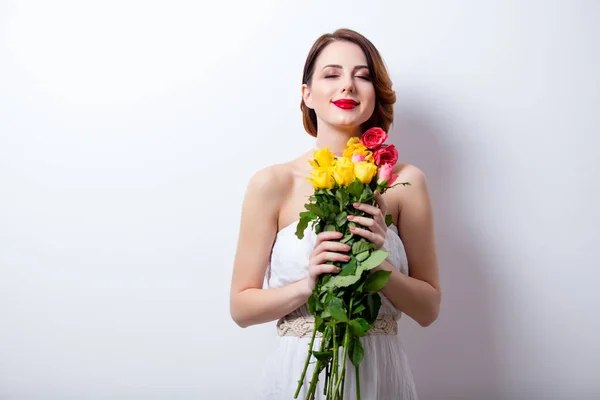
(345, 90)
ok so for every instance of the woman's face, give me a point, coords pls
(341, 92)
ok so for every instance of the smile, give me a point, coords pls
(346, 104)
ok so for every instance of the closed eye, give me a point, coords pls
(364, 78)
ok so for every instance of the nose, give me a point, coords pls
(348, 85)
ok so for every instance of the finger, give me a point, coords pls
(369, 209)
(370, 236)
(330, 256)
(324, 269)
(331, 235)
(332, 246)
(380, 202)
(364, 221)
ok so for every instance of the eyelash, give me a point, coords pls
(365, 78)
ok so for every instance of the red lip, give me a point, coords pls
(346, 104)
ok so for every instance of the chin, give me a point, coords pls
(349, 122)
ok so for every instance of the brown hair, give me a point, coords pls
(385, 97)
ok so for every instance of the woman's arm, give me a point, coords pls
(249, 303)
(417, 295)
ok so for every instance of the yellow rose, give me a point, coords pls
(365, 171)
(322, 178)
(343, 172)
(354, 146)
(322, 158)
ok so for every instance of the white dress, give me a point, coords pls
(384, 371)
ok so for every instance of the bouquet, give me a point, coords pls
(345, 305)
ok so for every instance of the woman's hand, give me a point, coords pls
(326, 249)
(377, 228)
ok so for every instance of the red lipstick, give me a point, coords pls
(345, 104)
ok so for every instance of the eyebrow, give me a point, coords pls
(339, 66)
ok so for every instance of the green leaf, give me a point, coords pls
(360, 246)
(359, 288)
(362, 256)
(338, 281)
(366, 195)
(376, 281)
(315, 209)
(311, 304)
(330, 228)
(308, 214)
(318, 322)
(359, 326)
(355, 351)
(376, 258)
(349, 268)
(346, 238)
(341, 219)
(342, 197)
(324, 356)
(301, 227)
(355, 188)
(388, 219)
(373, 305)
(358, 309)
(317, 228)
(335, 307)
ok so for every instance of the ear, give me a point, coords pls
(306, 96)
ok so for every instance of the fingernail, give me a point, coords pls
(356, 205)
(350, 217)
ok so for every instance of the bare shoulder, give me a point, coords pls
(399, 195)
(270, 183)
(409, 173)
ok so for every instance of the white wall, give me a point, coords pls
(128, 131)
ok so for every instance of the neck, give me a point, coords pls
(335, 138)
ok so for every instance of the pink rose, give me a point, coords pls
(358, 157)
(373, 138)
(385, 173)
(386, 155)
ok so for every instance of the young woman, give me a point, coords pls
(345, 90)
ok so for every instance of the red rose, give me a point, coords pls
(373, 138)
(386, 155)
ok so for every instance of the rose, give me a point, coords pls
(365, 171)
(354, 146)
(322, 178)
(373, 138)
(386, 175)
(358, 158)
(386, 155)
(343, 172)
(322, 158)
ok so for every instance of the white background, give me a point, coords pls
(128, 132)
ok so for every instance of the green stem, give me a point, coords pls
(343, 383)
(334, 367)
(310, 347)
(357, 383)
(315, 377)
(344, 349)
(327, 372)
